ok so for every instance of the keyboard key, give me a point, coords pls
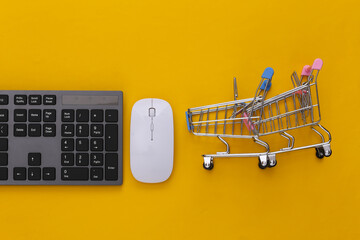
(111, 115)
(3, 159)
(75, 174)
(20, 115)
(34, 130)
(96, 174)
(4, 115)
(82, 144)
(49, 130)
(19, 173)
(97, 130)
(67, 159)
(49, 173)
(20, 130)
(82, 115)
(34, 159)
(34, 173)
(96, 159)
(3, 144)
(82, 130)
(49, 115)
(67, 130)
(20, 99)
(111, 166)
(97, 115)
(35, 99)
(82, 159)
(49, 99)
(111, 137)
(4, 130)
(67, 144)
(3, 173)
(67, 115)
(96, 144)
(35, 115)
(4, 99)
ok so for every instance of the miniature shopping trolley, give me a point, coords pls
(256, 117)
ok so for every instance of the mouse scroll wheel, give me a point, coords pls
(152, 112)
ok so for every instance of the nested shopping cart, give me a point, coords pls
(255, 117)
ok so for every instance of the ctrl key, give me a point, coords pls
(75, 174)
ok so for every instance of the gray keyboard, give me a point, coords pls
(61, 137)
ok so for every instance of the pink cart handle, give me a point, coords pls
(317, 65)
(306, 70)
(249, 125)
(301, 92)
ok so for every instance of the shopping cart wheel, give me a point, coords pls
(263, 162)
(327, 150)
(320, 153)
(272, 163)
(211, 166)
(208, 163)
(328, 153)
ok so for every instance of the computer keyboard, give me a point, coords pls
(61, 137)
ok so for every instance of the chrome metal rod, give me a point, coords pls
(262, 143)
(226, 144)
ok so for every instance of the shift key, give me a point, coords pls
(111, 137)
(78, 173)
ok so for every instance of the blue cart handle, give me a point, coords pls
(268, 73)
(188, 117)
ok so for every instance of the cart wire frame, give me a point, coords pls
(256, 117)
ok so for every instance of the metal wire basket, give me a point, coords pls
(256, 117)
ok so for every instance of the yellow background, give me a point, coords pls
(187, 52)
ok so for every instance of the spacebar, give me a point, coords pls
(71, 174)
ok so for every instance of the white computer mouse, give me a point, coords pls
(151, 140)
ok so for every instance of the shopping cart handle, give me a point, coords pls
(268, 73)
(317, 65)
(306, 70)
(188, 121)
(263, 85)
(249, 125)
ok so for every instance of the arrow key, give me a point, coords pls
(34, 173)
